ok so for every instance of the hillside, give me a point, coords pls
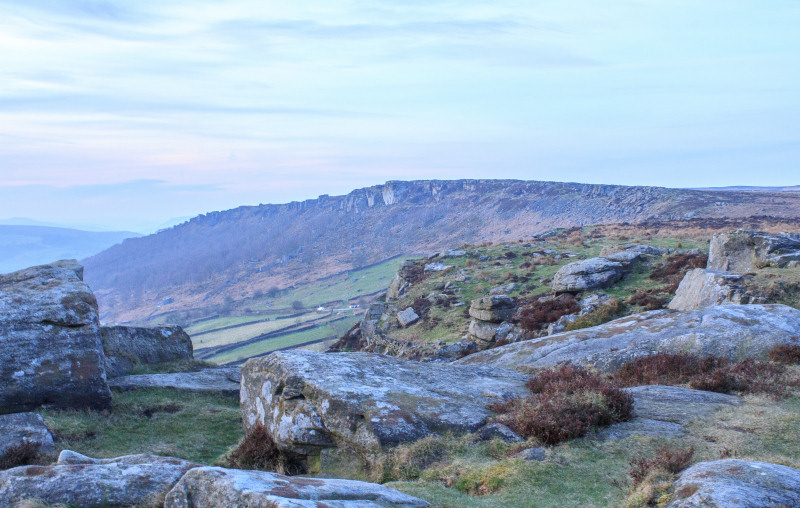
(23, 245)
(243, 252)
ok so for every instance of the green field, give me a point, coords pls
(232, 335)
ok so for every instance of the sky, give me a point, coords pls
(124, 115)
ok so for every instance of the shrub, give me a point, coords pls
(421, 306)
(669, 459)
(566, 402)
(788, 354)
(257, 450)
(23, 454)
(541, 312)
(609, 311)
(675, 267)
(646, 301)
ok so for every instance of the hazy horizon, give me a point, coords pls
(123, 116)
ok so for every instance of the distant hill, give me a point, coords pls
(22, 246)
(246, 251)
(745, 188)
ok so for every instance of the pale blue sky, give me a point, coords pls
(124, 114)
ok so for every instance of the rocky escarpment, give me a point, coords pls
(259, 247)
(50, 347)
(729, 331)
(364, 402)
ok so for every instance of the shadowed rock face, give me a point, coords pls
(730, 331)
(737, 483)
(126, 346)
(18, 428)
(77, 480)
(365, 402)
(743, 250)
(212, 487)
(50, 347)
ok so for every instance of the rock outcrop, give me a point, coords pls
(492, 309)
(743, 250)
(21, 428)
(730, 331)
(587, 274)
(705, 288)
(220, 379)
(407, 317)
(128, 346)
(77, 480)
(663, 411)
(736, 483)
(216, 487)
(365, 402)
(50, 347)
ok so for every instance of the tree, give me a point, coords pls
(297, 305)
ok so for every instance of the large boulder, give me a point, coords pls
(365, 402)
(734, 483)
(50, 348)
(128, 346)
(705, 288)
(216, 487)
(663, 411)
(587, 274)
(743, 250)
(21, 428)
(492, 309)
(77, 480)
(730, 331)
(224, 380)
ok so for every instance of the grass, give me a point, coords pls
(195, 426)
(268, 345)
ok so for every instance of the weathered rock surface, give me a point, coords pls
(587, 274)
(733, 483)
(649, 250)
(77, 480)
(128, 346)
(498, 431)
(729, 331)
(705, 288)
(493, 309)
(221, 379)
(743, 251)
(216, 487)
(365, 402)
(18, 428)
(50, 347)
(485, 333)
(407, 317)
(662, 411)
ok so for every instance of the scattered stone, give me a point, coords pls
(454, 253)
(128, 346)
(592, 302)
(727, 331)
(221, 380)
(663, 411)
(407, 317)
(736, 483)
(705, 288)
(610, 250)
(531, 454)
(587, 274)
(365, 402)
(19, 428)
(503, 290)
(493, 309)
(498, 431)
(216, 487)
(132, 480)
(561, 325)
(743, 250)
(438, 267)
(50, 340)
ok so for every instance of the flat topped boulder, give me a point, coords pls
(364, 402)
(50, 341)
(733, 483)
(220, 379)
(77, 480)
(493, 309)
(727, 331)
(127, 346)
(216, 487)
(588, 274)
(743, 250)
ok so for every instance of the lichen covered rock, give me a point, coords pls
(743, 250)
(128, 346)
(705, 288)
